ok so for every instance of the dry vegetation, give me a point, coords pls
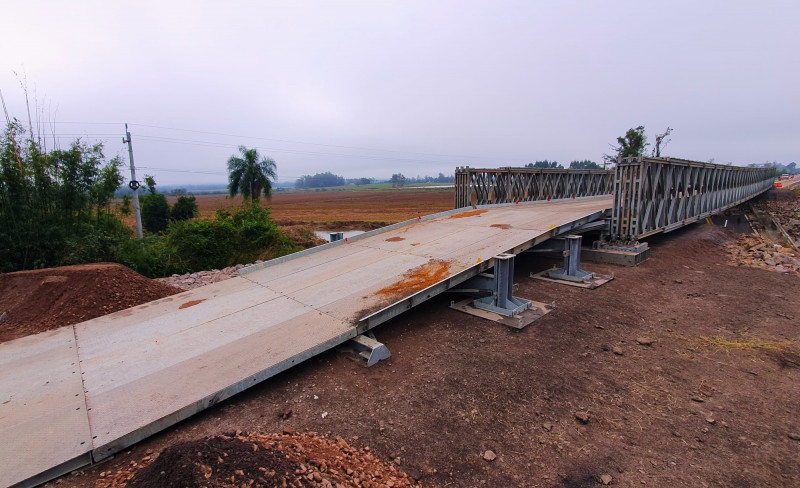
(333, 207)
(335, 210)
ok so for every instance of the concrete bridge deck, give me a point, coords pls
(84, 392)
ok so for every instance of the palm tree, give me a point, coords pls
(250, 174)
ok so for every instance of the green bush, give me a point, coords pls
(155, 212)
(184, 209)
(241, 237)
(94, 243)
(151, 256)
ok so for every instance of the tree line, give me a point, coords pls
(584, 164)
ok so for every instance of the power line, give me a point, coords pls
(171, 140)
(224, 134)
(85, 123)
(309, 143)
(193, 142)
(168, 170)
(219, 144)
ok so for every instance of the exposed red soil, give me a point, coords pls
(418, 279)
(471, 213)
(191, 303)
(46, 299)
(395, 239)
(501, 226)
(259, 460)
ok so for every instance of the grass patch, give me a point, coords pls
(751, 343)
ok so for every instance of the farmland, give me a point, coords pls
(356, 209)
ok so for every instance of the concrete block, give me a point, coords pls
(620, 258)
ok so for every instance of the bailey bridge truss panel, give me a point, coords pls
(654, 195)
(510, 185)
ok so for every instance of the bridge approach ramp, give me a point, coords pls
(82, 393)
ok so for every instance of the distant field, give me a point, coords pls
(341, 210)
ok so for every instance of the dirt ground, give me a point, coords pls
(683, 371)
(35, 301)
(239, 459)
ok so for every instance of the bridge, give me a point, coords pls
(81, 393)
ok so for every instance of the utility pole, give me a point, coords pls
(134, 185)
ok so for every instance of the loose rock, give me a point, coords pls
(644, 341)
(489, 455)
(606, 479)
(583, 417)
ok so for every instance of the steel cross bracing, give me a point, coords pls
(509, 185)
(654, 195)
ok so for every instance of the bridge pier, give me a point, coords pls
(571, 273)
(497, 302)
(620, 253)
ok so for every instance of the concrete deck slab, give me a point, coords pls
(43, 417)
(151, 366)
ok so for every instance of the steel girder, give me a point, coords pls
(654, 195)
(507, 185)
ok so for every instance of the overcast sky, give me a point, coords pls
(373, 88)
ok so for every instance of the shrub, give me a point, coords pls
(94, 243)
(231, 238)
(151, 256)
(184, 209)
(155, 212)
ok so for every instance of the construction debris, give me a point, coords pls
(752, 250)
(757, 250)
(190, 281)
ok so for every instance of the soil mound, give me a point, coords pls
(44, 299)
(259, 460)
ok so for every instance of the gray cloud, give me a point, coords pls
(441, 83)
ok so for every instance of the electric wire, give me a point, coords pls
(240, 136)
(288, 151)
(308, 143)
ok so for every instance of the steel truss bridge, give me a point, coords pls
(651, 195)
(654, 195)
(81, 393)
(510, 185)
